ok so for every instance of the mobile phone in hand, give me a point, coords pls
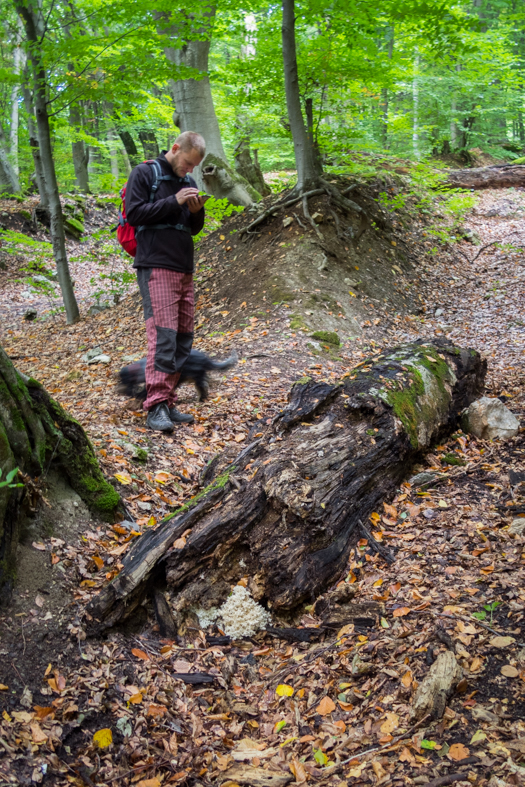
(204, 197)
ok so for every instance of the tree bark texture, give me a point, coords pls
(502, 176)
(35, 434)
(289, 508)
(8, 178)
(79, 149)
(195, 111)
(305, 159)
(249, 168)
(130, 147)
(34, 145)
(28, 13)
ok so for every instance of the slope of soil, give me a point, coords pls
(348, 698)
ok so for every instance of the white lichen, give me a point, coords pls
(239, 616)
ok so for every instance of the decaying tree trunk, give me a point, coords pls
(502, 176)
(287, 510)
(249, 168)
(35, 435)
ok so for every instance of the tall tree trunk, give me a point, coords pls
(149, 144)
(36, 433)
(195, 111)
(305, 160)
(130, 147)
(79, 149)
(415, 100)
(8, 178)
(28, 13)
(33, 143)
(385, 96)
(310, 130)
(113, 154)
(18, 67)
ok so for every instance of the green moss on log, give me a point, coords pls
(329, 337)
(219, 483)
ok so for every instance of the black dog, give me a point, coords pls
(195, 370)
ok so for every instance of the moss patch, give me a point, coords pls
(404, 403)
(329, 337)
(219, 483)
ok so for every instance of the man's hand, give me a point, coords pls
(185, 195)
(195, 203)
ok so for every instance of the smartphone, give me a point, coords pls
(204, 197)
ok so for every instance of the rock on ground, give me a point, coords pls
(489, 418)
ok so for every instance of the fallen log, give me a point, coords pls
(499, 176)
(302, 487)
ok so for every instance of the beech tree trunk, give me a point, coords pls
(195, 111)
(34, 145)
(29, 14)
(8, 177)
(36, 434)
(287, 510)
(305, 158)
(79, 149)
(499, 176)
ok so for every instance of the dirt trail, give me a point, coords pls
(454, 554)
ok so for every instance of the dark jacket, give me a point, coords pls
(165, 248)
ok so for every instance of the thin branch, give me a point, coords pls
(375, 545)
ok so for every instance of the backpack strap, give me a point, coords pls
(157, 178)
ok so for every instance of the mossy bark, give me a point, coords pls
(286, 511)
(35, 434)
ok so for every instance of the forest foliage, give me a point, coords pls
(415, 78)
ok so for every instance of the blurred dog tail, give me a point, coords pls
(222, 366)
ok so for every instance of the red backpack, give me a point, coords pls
(126, 234)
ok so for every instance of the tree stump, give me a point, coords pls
(502, 176)
(286, 512)
(35, 434)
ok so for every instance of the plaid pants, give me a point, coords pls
(167, 299)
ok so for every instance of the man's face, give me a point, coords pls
(184, 161)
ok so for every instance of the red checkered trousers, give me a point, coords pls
(168, 301)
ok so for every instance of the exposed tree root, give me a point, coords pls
(339, 198)
(276, 207)
(310, 220)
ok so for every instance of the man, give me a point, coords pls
(165, 222)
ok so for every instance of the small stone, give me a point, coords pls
(98, 308)
(144, 506)
(92, 354)
(318, 217)
(424, 480)
(100, 359)
(30, 315)
(287, 221)
(438, 312)
(489, 418)
(517, 526)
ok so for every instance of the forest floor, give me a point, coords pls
(457, 553)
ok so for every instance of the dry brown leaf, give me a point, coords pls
(390, 724)
(501, 642)
(509, 671)
(458, 752)
(326, 706)
(297, 768)
(400, 612)
(140, 654)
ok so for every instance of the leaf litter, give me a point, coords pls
(333, 711)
